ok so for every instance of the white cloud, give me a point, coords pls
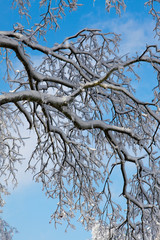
(135, 33)
(135, 36)
(24, 178)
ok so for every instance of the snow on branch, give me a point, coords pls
(80, 102)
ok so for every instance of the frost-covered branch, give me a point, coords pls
(80, 102)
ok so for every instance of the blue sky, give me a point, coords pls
(27, 208)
